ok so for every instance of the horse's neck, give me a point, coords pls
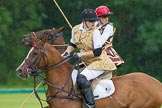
(59, 41)
(60, 74)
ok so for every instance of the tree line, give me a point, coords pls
(137, 39)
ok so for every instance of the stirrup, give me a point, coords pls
(90, 106)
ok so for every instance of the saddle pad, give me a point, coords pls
(104, 88)
(74, 76)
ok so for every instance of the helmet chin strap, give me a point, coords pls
(85, 24)
(102, 22)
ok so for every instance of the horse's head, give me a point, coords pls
(52, 34)
(36, 59)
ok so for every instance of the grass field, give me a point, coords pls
(16, 100)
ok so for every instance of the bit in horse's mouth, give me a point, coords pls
(23, 73)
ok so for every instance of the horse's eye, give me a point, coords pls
(35, 53)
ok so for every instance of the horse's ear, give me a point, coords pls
(61, 29)
(34, 40)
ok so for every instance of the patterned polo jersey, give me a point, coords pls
(108, 47)
(84, 42)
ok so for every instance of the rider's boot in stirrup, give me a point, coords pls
(89, 98)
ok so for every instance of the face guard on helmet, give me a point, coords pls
(88, 15)
(103, 11)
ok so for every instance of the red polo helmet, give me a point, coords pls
(103, 11)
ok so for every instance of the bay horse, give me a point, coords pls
(55, 38)
(133, 90)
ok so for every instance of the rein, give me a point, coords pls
(36, 73)
(60, 89)
(73, 96)
(41, 70)
(60, 45)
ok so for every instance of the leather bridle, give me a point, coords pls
(36, 71)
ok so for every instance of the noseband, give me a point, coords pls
(32, 65)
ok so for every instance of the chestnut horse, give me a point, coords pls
(55, 38)
(134, 90)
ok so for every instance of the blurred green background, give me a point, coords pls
(138, 37)
(20, 100)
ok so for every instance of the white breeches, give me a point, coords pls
(91, 74)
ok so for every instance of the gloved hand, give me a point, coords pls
(77, 55)
(65, 54)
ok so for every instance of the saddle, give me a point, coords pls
(102, 86)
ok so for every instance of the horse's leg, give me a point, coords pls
(46, 107)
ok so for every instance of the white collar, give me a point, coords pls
(81, 27)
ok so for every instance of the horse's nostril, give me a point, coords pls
(19, 70)
(21, 74)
